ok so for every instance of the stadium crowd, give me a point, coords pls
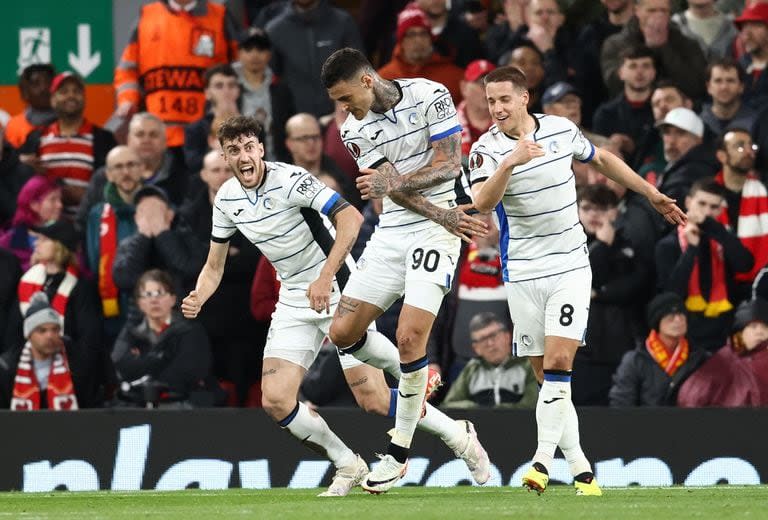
(113, 226)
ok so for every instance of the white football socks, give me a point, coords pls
(313, 432)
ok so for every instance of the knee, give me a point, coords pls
(275, 406)
(411, 339)
(342, 336)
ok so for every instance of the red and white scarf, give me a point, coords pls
(108, 248)
(752, 226)
(718, 292)
(660, 354)
(26, 389)
(34, 281)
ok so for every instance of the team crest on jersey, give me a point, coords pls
(268, 203)
(353, 149)
(526, 340)
(554, 146)
(413, 118)
(476, 161)
(202, 43)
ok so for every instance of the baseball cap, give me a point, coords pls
(684, 119)
(59, 80)
(557, 91)
(255, 38)
(61, 231)
(477, 69)
(150, 190)
(753, 13)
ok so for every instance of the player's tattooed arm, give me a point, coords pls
(446, 166)
(454, 220)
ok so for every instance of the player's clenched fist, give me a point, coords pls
(190, 306)
(524, 152)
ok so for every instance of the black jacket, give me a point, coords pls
(10, 313)
(640, 381)
(618, 116)
(180, 356)
(678, 177)
(13, 175)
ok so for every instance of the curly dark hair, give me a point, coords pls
(238, 126)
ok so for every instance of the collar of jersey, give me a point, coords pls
(538, 126)
(394, 116)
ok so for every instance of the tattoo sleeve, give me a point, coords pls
(446, 165)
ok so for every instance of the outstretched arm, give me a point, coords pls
(616, 169)
(445, 166)
(347, 221)
(208, 280)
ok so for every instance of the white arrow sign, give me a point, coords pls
(83, 62)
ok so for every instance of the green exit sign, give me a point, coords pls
(74, 35)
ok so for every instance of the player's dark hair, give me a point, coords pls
(225, 69)
(707, 185)
(721, 140)
(344, 65)
(238, 126)
(155, 275)
(636, 52)
(509, 73)
(35, 68)
(483, 319)
(598, 194)
(726, 63)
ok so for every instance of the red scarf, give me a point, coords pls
(26, 389)
(752, 226)
(718, 293)
(108, 247)
(660, 354)
(34, 280)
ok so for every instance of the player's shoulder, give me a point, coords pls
(228, 190)
(351, 127)
(487, 139)
(549, 124)
(280, 174)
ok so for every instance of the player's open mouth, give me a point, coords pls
(501, 118)
(247, 171)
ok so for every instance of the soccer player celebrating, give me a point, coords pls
(278, 207)
(406, 139)
(521, 169)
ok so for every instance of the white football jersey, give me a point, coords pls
(539, 230)
(285, 218)
(403, 136)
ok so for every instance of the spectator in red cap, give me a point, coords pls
(473, 112)
(415, 55)
(753, 29)
(71, 148)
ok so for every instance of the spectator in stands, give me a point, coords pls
(627, 118)
(304, 140)
(737, 374)
(222, 90)
(678, 57)
(49, 371)
(161, 166)
(753, 28)
(334, 147)
(620, 277)
(70, 135)
(159, 243)
(164, 346)
(651, 374)
(650, 159)
(495, 378)
(237, 339)
(698, 262)
(303, 36)
(543, 28)
(473, 111)
(725, 85)
(172, 44)
(54, 270)
(39, 202)
(13, 175)
(587, 59)
(760, 137)
(712, 29)
(109, 222)
(415, 55)
(264, 95)
(10, 314)
(746, 202)
(35, 89)
(528, 58)
(688, 159)
(452, 36)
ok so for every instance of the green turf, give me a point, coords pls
(419, 503)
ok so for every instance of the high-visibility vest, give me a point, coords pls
(164, 62)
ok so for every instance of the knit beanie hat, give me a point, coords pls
(411, 17)
(61, 231)
(753, 310)
(663, 305)
(39, 313)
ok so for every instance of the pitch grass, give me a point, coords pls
(419, 503)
